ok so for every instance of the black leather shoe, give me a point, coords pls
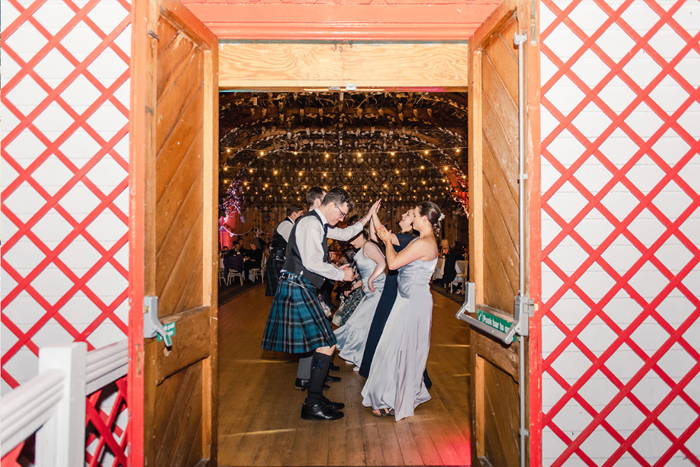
(320, 412)
(327, 403)
(334, 368)
(332, 379)
(303, 384)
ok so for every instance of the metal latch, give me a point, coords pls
(152, 326)
(523, 310)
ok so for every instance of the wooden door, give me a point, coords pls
(175, 150)
(494, 169)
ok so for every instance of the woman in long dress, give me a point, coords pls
(353, 335)
(386, 302)
(395, 384)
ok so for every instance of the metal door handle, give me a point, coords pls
(152, 326)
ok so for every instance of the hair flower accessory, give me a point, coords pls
(442, 216)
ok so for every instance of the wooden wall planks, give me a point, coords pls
(179, 417)
(284, 65)
(500, 166)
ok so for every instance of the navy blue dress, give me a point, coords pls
(386, 303)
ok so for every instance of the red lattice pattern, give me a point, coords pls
(10, 459)
(106, 201)
(671, 174)
(103, 426)
(84, 120)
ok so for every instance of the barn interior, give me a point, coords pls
(403, 147)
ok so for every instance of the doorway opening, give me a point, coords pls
(403, 147)
(194, 367)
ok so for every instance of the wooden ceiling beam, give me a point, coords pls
(344, 66)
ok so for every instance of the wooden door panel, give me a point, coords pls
(507, 201)
(177, 97)
(501, 421)
(180, 435)
(189, 134)
(494, 226)
(177, 57)
(178, 74)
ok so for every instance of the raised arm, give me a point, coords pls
(372, 251)
(375, 224)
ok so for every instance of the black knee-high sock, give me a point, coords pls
(319, 370)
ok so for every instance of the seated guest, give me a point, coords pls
(252, 257)
(233, 259)
(455, 254)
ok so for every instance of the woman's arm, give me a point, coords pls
(419, 249)
(372, 252)
(374, 225)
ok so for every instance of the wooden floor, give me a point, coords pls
(259, 422)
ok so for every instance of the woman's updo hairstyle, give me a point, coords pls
(365, 230)
(432, 212)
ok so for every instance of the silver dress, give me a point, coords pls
(352, 336)
(396, 377)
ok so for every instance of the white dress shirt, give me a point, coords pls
(285, 228)
(309, 238)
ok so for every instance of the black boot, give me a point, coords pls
(315, 408)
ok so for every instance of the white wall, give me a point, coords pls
(65, 153)
(620, 129)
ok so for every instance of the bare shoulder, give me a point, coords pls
(427, 247)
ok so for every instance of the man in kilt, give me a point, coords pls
(296, 322)
(278, 249)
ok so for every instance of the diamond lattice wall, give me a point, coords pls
(620, 232)
(65, 152)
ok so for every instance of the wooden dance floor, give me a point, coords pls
(259, 422)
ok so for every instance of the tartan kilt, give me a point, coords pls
(273, 269)
(296, 323)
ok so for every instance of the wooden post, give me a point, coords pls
(61, 441)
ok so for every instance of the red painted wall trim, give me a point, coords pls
(290, 22)
(137, 215)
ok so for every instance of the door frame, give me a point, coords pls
(260, 78)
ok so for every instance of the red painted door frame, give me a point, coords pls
(412, 24)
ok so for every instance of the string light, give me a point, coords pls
(392, 153)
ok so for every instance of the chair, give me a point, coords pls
(254, 274)
(221, 272)
(461, 277)
(232, 274)
(439, 269)
(263, 266)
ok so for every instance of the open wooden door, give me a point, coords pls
(494, 228)
(174, 250)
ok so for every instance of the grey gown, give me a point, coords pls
(352, 336)
(396, 377)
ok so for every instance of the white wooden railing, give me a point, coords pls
(52, 404)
